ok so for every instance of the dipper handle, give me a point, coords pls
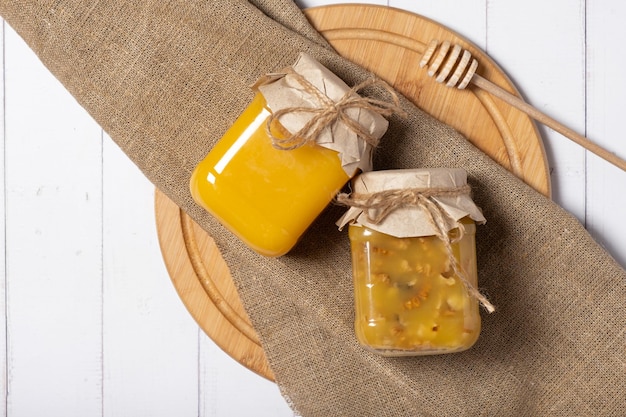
(455, 66)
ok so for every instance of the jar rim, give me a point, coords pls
(393, 201)
(376, 181)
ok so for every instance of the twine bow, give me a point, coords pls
(377, 206)
(329, 113)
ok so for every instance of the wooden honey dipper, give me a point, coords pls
(457, 68)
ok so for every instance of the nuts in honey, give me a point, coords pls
(415, 291)
(407, 298)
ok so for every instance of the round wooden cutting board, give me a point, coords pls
(389, 42)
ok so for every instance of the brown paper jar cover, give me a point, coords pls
(413, 254)
(270, 176)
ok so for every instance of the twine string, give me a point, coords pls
(377, 206)
(328, 113)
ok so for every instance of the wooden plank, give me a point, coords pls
(303, 4)
(467, 17)
(531, 40)
(150, 341)
(606, 89)
(227, 388)
(3, 334)
(53, 244)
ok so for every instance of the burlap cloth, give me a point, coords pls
(166, 78)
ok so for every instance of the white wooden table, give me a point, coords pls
(93, 326)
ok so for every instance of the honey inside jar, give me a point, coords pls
(266, 196)
(408, 300)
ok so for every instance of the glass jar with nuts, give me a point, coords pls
(412, 235)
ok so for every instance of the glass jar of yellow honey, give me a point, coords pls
(412, 235)
(270, 176)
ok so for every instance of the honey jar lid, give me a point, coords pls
(406, 203)
(307, 84)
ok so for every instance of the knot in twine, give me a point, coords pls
(329, 113)
(377, 206)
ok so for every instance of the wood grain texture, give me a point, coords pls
(3, 277)
(606, 86)
(567, 62)
(136, 286)
(389, 42)
(549, 58)
(47, 202)
(203, 282)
